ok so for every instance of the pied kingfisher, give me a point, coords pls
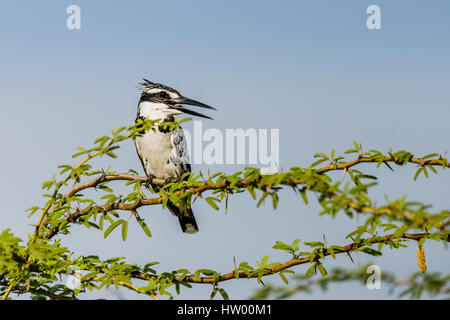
(163, 153)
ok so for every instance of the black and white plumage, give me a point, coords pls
(164, 153)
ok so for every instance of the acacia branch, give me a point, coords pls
(197, 190)
(429, 282)
(361, 159)
(129, 286)
(252, 274)
(312, 179)
(21, 289)
(206, 186)
(288, 264)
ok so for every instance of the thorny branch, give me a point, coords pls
(205, 186)
(288, 264)
(309, 179)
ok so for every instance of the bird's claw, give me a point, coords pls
(149, 181)
(170, 180)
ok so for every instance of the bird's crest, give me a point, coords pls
(148, 85)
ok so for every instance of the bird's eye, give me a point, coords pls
(163, 94)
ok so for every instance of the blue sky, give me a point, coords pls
(309, 68)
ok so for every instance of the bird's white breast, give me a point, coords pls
(155, 149)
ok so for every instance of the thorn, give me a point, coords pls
(343, 174)
(325, 246)
(387, 164)
(360, 150)
(350, 256)
(234, 263)
(195, 198)
(277, 167)
(136, 214)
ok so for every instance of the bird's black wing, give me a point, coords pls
(182, 210)
(180, 155)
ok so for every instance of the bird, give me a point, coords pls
(163, 152)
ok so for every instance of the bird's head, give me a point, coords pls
(159, 101)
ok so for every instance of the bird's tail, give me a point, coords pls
(185, 215)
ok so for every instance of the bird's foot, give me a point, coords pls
(149, 180)
(170, 180)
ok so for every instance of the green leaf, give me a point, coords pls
(388, 226)
(370, 251)
(244, 266)
(431, 155)
(101, 140)
(322, 270)
(206, 272)
(296, 244)
(32, 210)
(304, 197)
(213, 293)
(263, 262)
(211, 202)
(111, 154)
(351, 234)
(310, 270)
(275, 200)
(47, 185)
(101, 222)
(315, 164)
(124, 230)
(425, 171)
(422, 241)
(314, 244)
(432, 169)
(263, 197)
(224, 294)
(283, 277)
(112, 227)
(417, 173)
(144, 227)
(279, 245)
(331, 251)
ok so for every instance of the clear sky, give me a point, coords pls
(311, 69)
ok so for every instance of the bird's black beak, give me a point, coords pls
(178, 104)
